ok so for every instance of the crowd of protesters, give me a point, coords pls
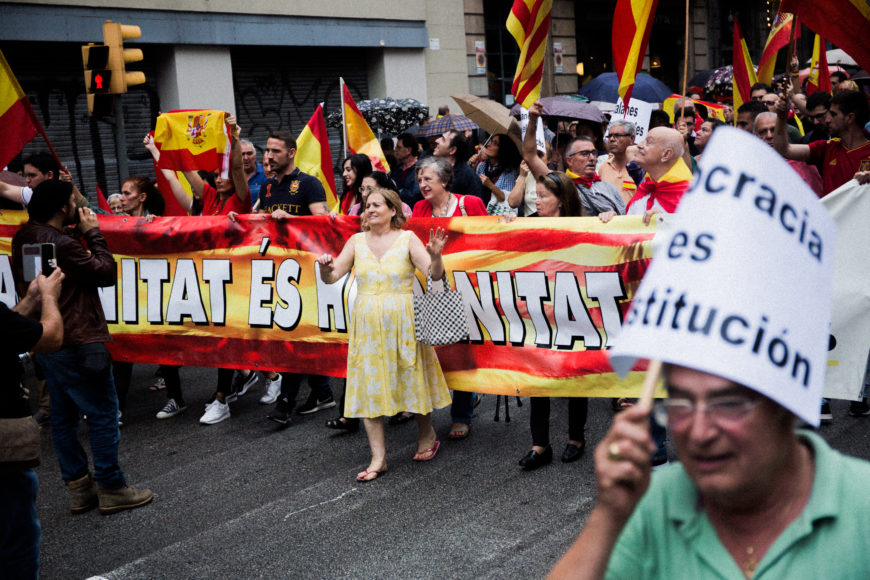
(585, 171)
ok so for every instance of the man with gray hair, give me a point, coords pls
(616, 168)
(667, 175)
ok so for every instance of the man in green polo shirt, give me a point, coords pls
(751, 498)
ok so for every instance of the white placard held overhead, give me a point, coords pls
(638, 112)
(540, 140)
(741, 288)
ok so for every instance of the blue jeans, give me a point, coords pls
(20, 533)
(462, 408)
(79, 380)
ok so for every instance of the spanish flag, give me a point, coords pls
(819, 78)
(360, 138)
(193, 140)
(529, 24)
(843, 22)
(743, 72)
(632, 22)
(313, 156)
(779, 36)
(18, 124)
(713, 109)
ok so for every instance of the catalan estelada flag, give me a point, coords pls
(313, 156)
(193, 140)
(843, 22)
(779, 36)
(819, 78)
(632, 22)
(743, 72)
(529, 23)
(17, 123)
(360, 138)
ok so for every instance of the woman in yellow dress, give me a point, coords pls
(388, 371)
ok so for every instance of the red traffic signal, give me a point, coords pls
(100, 80)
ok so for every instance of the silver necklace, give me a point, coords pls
(446, 207)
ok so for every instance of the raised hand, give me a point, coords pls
(437, 239)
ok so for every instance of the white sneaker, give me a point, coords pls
(215, 412)
(171, 409)
(273, 389)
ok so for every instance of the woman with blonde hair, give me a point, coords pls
(388, 371)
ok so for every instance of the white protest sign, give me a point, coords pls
(850, 319)
(742, 288)
(540, 140)
(638, 112)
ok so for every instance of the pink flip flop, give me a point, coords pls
(428, 454)
(364, 476)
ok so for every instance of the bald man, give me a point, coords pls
(667, 175)
(765, 127)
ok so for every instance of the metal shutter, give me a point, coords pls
(277, 88)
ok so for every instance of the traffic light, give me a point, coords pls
(114, 35)
(95, 58)
(98, 79)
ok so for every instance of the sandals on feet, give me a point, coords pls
(399, 419)
(460, 432)
(428, 454)
(343, 424)
(370, 475)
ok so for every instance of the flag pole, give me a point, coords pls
(343, 122)
(686, 52)
(791, 47)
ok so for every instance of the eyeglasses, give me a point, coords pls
(723, 411)
(818, 116)
(588, 153)
(618, 135)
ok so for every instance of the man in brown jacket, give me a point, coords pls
(79, 375)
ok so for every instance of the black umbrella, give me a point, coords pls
(387, 116)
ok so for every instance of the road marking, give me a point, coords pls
(351, 490)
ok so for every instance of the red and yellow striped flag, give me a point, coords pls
(779, 36)
(193, 140)
(819, 78)
(529, 23)
(843, 22)
(632, 22)
(360, 138)
(743, 72)
(314, 158)
(17, 124)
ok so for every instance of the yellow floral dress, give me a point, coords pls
(388, 371)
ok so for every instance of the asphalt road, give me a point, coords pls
(248, 499)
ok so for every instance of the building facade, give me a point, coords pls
(271, 62)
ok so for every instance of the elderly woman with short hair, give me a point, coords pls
(434, 176)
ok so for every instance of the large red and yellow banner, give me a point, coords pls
(544, 297)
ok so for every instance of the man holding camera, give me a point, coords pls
(79, 375)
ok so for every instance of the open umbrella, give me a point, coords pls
(387, 116)
(646, 88)
(493, 117)
(838, 56)
(567, 107)
(720, 82)
(447, 123)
